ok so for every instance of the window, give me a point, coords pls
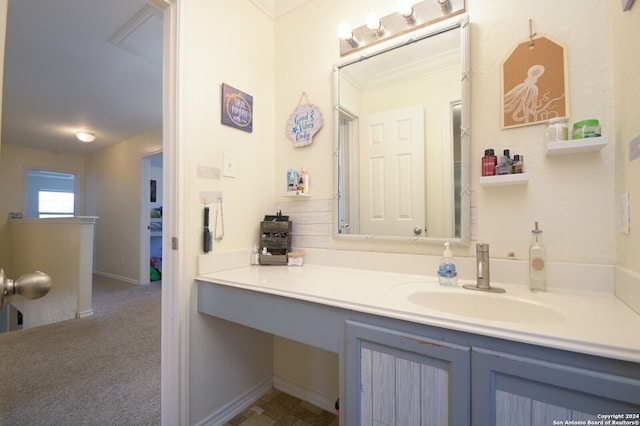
(55, 204)
(50, 194)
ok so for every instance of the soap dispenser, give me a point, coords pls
(447, 274)
(537, 262)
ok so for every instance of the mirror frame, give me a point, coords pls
(461, 22)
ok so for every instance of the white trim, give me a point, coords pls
(84, 314)
(236, 406)
(116, 277)
(175, 299)
(274, 9)
(312, 397)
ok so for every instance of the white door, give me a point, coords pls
(392, 162)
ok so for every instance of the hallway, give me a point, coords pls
(103, 369)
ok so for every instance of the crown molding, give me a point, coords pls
(277, 8)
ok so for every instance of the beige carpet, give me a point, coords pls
(100, 370)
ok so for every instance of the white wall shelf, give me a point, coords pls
(295, 194)
(576, 146)
(504, 180)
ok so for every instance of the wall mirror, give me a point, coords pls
(402, 140)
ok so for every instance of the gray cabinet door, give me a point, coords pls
(396, 378)
(509, 390)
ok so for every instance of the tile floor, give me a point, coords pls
(280, 409)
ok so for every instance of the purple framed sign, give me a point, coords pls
(237, 108)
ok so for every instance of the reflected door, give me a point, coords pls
(392, 188)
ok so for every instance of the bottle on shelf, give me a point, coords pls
(304, 181)
(489, 163)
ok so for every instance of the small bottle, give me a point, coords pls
(489, 163)
(447, 274)
(518, 164)
(504, 166)
(537, 262)
(292, 180)
(255, 256)
(304, 181)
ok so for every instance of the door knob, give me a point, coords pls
(33, 285)
(417, 230)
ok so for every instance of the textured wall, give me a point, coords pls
(571, 196)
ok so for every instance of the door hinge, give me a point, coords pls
(174, 243)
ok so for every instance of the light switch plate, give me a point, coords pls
(623, 214)
(229, 167)
(634, 148)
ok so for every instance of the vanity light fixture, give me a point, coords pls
(85, 136)
(405, 8)
(445, 6)
(345, 33)
(375, 24)
(410, 16)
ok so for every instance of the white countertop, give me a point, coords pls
(596, 323)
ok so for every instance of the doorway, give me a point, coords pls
(151, 219)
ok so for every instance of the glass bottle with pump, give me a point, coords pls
(537, 262)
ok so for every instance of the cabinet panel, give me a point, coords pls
(396, 378)
(509, 389)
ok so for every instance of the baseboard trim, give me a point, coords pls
(627, 287)
(313, 397)
(117, 277)
(236, 406)
(85, 314)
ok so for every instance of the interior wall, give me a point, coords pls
(4, 5)
(14, 162)
(224, 42)
(625, 32)
(113, 194)
(571, 196)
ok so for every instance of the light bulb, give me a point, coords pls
(344, 31)
(373, 22)
(405, 8)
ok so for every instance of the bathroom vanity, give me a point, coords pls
(413, 352)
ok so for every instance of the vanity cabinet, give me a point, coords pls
(395, 371)
(510, 389)
(397, 378)
(400, 374)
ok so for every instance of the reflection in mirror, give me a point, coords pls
(402, 157)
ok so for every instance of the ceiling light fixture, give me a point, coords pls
(86, 136)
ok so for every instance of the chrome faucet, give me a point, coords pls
(483, 281)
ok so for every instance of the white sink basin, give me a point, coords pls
(487, 306)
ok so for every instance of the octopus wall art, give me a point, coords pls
(534, 84)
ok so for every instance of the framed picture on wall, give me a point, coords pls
(534, 83)
(237, 108)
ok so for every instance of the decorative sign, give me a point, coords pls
(534, 83)
(303, 123)
(237, 108)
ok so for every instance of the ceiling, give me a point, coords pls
(93, 65)
(74, 65)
